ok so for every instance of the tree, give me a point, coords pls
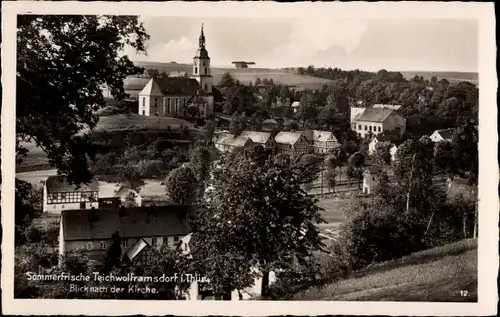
(307, 110)
(444, 158)
(258, 81)
(130, 200)
(382, 155)
(153, 73)
(114, 253)
(465, 152)
(255, 216)
(181, 185)
(237, 124)
(209, 131)
(226, 80)
(199, 160)
(356, 165)
(62, 63)
(130, 176)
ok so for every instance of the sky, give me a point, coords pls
(367, 44)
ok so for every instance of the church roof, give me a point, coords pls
(171, 86)
(202, 53)
(151, 89)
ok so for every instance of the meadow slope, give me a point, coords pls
(443, 274)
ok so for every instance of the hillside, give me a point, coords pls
(284, 77)
(443, 274)
(452, 77)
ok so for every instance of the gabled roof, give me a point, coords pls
(257, 137)
(171, 86)
(383, 138)
(374, 114)
(374, 169)
(321, 136)
(58, 184)
(151, 89)
(446, 134)
(135, 249)
(288, 137)
(135, 222)
(231, 140)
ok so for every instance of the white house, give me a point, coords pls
(442, 135)
(59, 195)
(370, 178)
(228, 142)
(376, 120)
(295, 106)
(377, 139)
(393, 151)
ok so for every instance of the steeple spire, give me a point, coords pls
(202, 38)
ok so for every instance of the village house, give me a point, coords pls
(59, 195)
(442, 135)
(181, 96)
(393, 151)
(262, 138)
(366, 121)
(377, 139)
(228, 142)
(91, 230)
(291, 143)
(370, 177)
(321, 141)
(295, 106)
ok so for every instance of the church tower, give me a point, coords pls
(201, 66)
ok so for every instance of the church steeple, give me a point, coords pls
(202, 38)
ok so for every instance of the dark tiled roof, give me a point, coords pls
(373, 169)
(58, 184)
(375, 114)
(446, 134)
(178, 86)
(136, 222)
(384, 138)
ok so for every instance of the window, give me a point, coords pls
(370, 128)
(89, 245)
(144, 102)
(176, 239)
(143, 112)
(206, 87)
(103, 245)
(156, 102)
(379, 129)
(373, 178)
(206, 70)
(196, 70)
(62, 206)
(154, 242)
(366, 128)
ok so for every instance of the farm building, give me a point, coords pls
(442, 135)
(367, 121)
(59, 195)
(292, 143)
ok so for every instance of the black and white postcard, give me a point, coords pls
(249, 158)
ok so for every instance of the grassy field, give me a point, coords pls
(122, 122)
(443, 274)
(284, 77)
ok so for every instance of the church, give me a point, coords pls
(181, 96)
